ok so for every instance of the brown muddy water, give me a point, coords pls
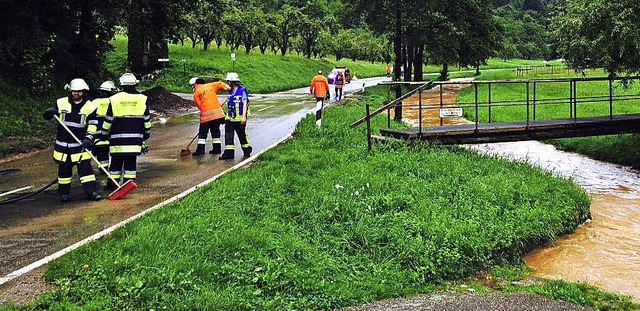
(604, 252)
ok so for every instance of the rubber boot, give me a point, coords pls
(217, 149)
(247, 151)
(199, 151)
(226, 155)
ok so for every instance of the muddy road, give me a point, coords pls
(36, 227)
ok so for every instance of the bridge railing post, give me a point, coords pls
(489, 101)
(575, 101)
(571, 98)
(610, 99)
(368, 129)
(441, 105)
(534, 100)
(476, 91)
(420, 112)
(527, 105)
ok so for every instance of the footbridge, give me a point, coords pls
(499, 111)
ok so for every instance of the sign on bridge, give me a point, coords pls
(450, 112)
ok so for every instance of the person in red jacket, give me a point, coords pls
(211, 114)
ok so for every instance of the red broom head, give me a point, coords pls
(123, 190)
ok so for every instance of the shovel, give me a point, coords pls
(185, 152)
(123, 189)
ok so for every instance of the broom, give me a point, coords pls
(123, 189)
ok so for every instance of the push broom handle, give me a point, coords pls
(90, 154)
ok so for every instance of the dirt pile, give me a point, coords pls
(162, 101)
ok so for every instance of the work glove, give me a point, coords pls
(86, 143)
(49, 113)
(145, 147)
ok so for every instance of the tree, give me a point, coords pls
(45, 44)
(600, 33)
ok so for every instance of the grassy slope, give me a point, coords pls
(367, 226)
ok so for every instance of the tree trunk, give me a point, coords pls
(397, 47)
(418, 62)
(444, 73)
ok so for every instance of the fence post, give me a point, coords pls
(420, 112)
(476, 90)
(534, 100)
(368, 129)
(610, 99)
(527, 105)
(441, 104)
(489, 103)
(570, 98)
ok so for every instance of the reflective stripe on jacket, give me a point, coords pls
(102, 104)
(82, 122)
(127, 123)
(236, 103)
(206, 98)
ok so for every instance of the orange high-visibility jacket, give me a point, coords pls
(207, 101)
(319, 86)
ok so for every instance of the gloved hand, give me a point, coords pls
(87, 143)
(145, 147)
(49, 113)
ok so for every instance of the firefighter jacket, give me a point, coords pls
(236, 104)
(319, 86)
(101, 112)
(82, 121)
(127, 123)
(206, 98)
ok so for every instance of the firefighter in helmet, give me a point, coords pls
(101, 146)
(78, 114)
(127, 125)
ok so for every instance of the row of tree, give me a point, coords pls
(46, 43)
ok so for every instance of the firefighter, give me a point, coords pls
(101, 146)
(211, 113)
(236, 119)
(127, 125)
(79, 115)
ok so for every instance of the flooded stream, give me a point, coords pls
(604, 252)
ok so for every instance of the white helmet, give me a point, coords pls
(196, 80)
(233, 77)
(78, 85)
(108, 86)
(128, 79)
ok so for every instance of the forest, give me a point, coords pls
(47, 43)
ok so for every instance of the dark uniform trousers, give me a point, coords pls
(85, 171)
(212, 126)
(241, 130)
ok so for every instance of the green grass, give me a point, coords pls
(261, 73)
(22, 127)
(396, 221)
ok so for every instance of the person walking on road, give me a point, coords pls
(211, 114)
(339, 84)
(101, 146)
(127, 125)
(319, 87)
(79, 115)
(388, 71)
(236, 119)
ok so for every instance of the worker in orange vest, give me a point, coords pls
(211, 114)
(319, 87)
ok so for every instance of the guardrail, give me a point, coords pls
(532, 100)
